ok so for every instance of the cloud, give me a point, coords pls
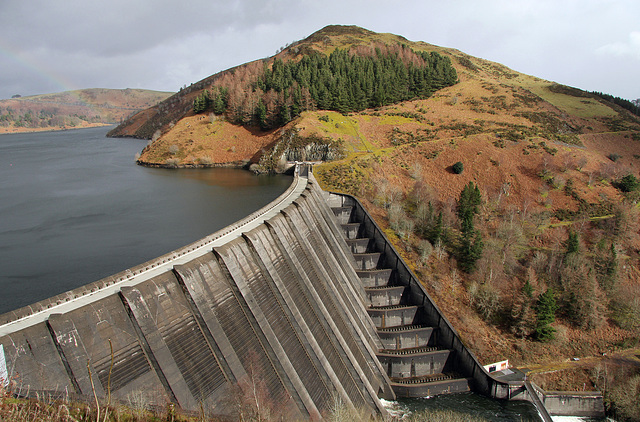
(164, 44)
(629, 48)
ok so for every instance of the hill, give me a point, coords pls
(74, 109)
(542, 267)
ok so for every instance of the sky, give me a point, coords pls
(52, 46)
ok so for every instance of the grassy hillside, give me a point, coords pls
(554, 214)
(73, 109)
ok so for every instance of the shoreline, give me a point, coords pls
(13, 130)
(232, 164)
(240, 165)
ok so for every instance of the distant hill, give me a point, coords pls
(556, 169)
(74, 109)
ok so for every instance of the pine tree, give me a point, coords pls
(527, 289)
(573, 242)
(219, 102)
(261, 114)
(546, 308)
(472, 244)
(202, 102)
(352, 81)
(523, 316)
(469, 201)
(437, 230)
(471, 250)
(198, 105)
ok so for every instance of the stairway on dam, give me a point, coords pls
(417, 363)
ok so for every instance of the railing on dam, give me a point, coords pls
(270, 302)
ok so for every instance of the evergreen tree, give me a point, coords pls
(261, 114)
(285, 114)
(198, 105)
(546, 308)
(527, 289)
(348, 82)
(219, 102)
(471, 250)
(437, 230)
(628, 183)
(472, 244)
(202, 102)
(469, 201)
(573, 243)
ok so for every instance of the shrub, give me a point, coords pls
(458, 167)
(171, 162)
(614, 157)
(205, 160)
(628, 183)
(485, 299)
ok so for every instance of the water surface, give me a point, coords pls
(75, 208)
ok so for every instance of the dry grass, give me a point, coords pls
(200, 141)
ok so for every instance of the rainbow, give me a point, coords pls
(60, 83)
(20, 59)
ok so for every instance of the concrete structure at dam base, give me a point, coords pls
(304, 301)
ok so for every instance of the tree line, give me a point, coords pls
(344, 81)
(626, 104)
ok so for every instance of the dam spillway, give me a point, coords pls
(276, 300)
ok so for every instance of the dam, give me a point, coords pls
(304, 301)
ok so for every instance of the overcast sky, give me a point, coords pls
(50, 46)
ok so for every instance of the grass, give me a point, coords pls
(22, 410)
(584, 107)
(347, 177)
(345, 37)
(44, 410)
(337, 125)
(390, 119)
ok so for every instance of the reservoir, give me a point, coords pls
(74, 208)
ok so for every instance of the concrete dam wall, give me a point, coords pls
(273, 301)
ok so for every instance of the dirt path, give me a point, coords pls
(627, 357)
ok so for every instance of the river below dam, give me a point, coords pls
(478, 407)
(75, 208)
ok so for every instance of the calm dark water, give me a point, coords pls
(75, 208)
